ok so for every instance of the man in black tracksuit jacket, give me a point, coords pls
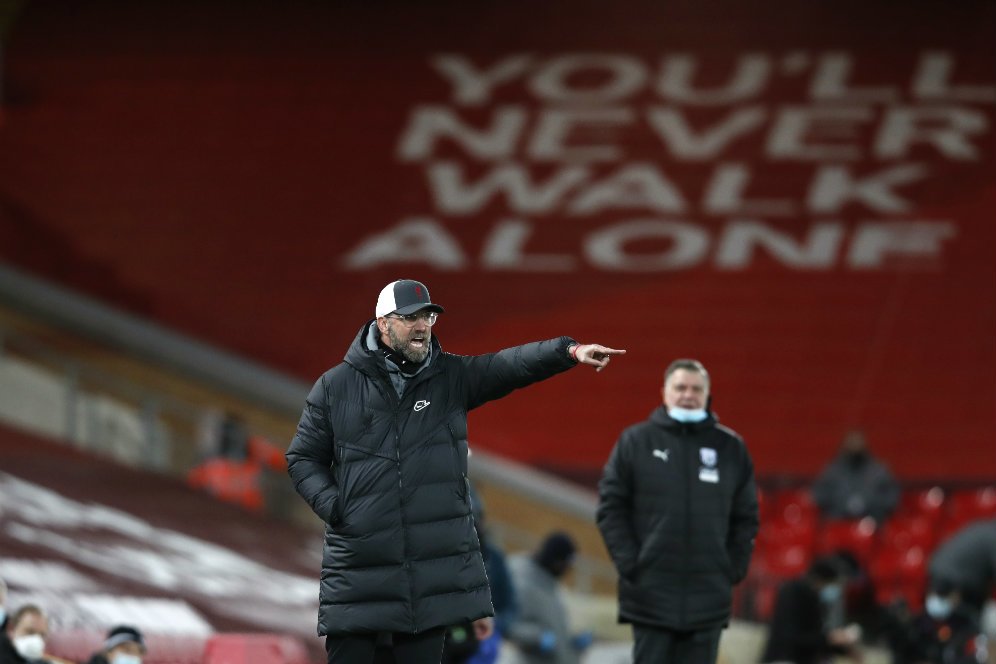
(381, 456)
(678, 513)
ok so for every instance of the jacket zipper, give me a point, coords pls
(393, 395)
(404, 523)
(688, 527)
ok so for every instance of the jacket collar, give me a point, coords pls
(370, 361)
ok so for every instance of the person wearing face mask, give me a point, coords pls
(23, 640)
(541, 630)
(855, 484)
(947, 632)
(796, 632)
(678, 512)
(124, 645)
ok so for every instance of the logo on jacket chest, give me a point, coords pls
(421, 405)
(661, 454)
(708, 472)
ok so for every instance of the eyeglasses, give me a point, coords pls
(408, 320)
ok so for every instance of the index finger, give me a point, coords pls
(610, 351)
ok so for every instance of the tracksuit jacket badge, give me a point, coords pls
(708, 472)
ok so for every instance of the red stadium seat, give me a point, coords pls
(254, 649)
(903, 532)
(900, 574)
(891, 565)
(780, 534)
(925, 503)
(784, 562)
(857, 537)
(795, 506)
(965, 506)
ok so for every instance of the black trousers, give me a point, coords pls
(655, 645)
(423, 648)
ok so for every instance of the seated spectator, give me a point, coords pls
(797, 631)
(23, 641)
(858, 603)
(855, 484)
(238, 473)
(123, 645)
(945, 633)
(541, 630)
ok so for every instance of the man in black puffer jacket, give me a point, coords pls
(381, 456)
(678, 513)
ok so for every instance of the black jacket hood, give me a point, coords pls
(369, 361)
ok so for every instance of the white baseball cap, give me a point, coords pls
(405, 296)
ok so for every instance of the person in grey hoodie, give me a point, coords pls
(542, 630)
(855, 484)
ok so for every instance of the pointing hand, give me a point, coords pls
(595, 355)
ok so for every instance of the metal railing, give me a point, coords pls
(163, 420)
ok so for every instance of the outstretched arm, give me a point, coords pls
(494, 375)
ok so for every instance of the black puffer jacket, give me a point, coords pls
(678, 512)
(388, 477)
(8, 654)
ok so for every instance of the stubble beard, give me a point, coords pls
(400, 345)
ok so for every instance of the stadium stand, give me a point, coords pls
(267, 275)
(808, 211)
(130, 552)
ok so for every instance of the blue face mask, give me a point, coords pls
(830, 593)
(938, 607)
(687, 414)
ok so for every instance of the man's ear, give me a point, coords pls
(382, 325)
